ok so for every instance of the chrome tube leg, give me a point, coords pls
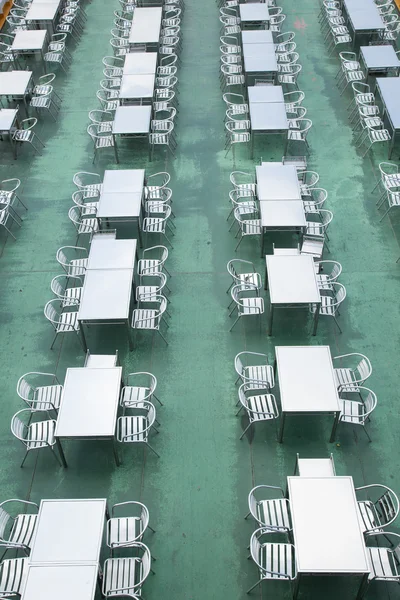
(115, 452)
(282, 427)
(316, 317)
(334, 428)
(271, 318)
(61, 452)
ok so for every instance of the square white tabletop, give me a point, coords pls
(268, 116)
(42, 11)
(257, 36)
(282, 213)
(146, 25)
(69, 531)
(60, 581)
(259, 50)
(389, 88)
(132, 119)
(326, 526)
(276, 181)
(106, 295)
(14, 83)
(363, 14)
(137, 86)
(138, 63)
(257, 11)
(123, 180)
(265, 93)
(31, 39)
(119, 204)
(255, 62)
(292, 279)
(7, 118)
(380, 57)
(108, 253)
(306, 379)
(89, 401)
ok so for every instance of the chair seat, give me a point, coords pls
(78, 266)
(274, 512)
(295, 134)
(264, 406)
(89, 208)
(105, 141)
(253, 278)
(88, 226)
(48, 396)
(313, 247)
(22, 135)
(105, 127)
(354, 76)
(156, 206)
(154, 225)
(351, 411)
(41, 434)
(143, 318)
(147, 293)
(350, 65)
(252, 227)
(315, 228)
(240, 137)
(260, 373)
(68, 322)
(327, 307)
(13, 575)
(394, 198)
(22, 530)
(132, 395)
(42, 90)
(323, 281)
(252, 306)
(369, 516)
(123, 575)
(379, 135)
(345, 377)
(40, 102)
(148, 266)
(277, 558)
(133, 426)
(382, 565)
(122, 530)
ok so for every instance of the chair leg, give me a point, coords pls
(26, 454)
(248, 426)
(338, 326)
(158, 400)
(57, 459)
(252, 588)
(162, 338)
(234, 323)
(238, 244)
(51, 347)
(366, 433)
(151, 448)
(381, 219)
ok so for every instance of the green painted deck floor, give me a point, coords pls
(197, 491)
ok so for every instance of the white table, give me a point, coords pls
(276, 181)
(137, 87)
(260, 59)
(16, 84)
(146, 26)
(29, 41)
(60, 581)
(132, 120)
(292, 282)
(254, 13)
(257, 36)
(326, 528)
(267, 111)
(106, 299)
(106, 252)
(90, 397)
(8, 121)
(363, 17)
(121, 196)
(69, 531)
(388, 90)
(140, 63)
(265, 93)
(379, 59)
(307, 382)
(44, 13)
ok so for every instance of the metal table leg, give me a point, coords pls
(334, 428)
(271, 317)
(363, 587)
(252, 144)
(263, 230)
(282, 427)
(115, 451)
(130, 342)
(296, 587)
(61, 452)
(392, 143)
(316, 317)
(84, 344)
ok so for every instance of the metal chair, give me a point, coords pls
(290, 76)
(282, 39)
(69, 296)
(315, 467)
(355, 373)
(13, 573)
(383, 561)
(101, 361)
(7, 213)
(259, 407)
(243, 272)
(243, 182)
(34, 436)
(331, 302)
(159, 225)
(286, 251)
(151, 285)
(88, 183)
(270, 512)
(26, 134)
(125, 576)
(62, 322)
(46, 103)
(314, 200)
(275, 561)
(246, 226)
(307, 180)
(104, 120)
(115, 63)
(233, 137)
(140, 388)
(253, 369)
(85, 204)
(378, 509)
(163, 138)
(236, 103)
(127, 525)
(102, 140)
(135, 428)
(58, 58)
(327, 272)
(242, 200)
(153, 261)
(73, 260)
(156, 182)
(84, 221)
(300, 134)
(40, 391)
(150, 318)
(293, 99)
(16, 533)
(246, 301)
(357, 412)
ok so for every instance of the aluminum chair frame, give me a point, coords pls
(138, 426)
(357, 412)
(378, 513)
(270, 556)
(257, 376)
(270, 512)
(40, 397)
(259, 407)
(352, 377)
(124, 530)
(133, 395)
